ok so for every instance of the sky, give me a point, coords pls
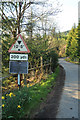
(68, 16)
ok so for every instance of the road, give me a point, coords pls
(69, 102)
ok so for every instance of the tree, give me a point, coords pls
(16, 13)
(57, 41)
(14, 17)
(31, 24)
(69, 39)
(72, 44)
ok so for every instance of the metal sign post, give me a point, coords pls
(19, 81)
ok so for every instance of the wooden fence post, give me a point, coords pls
(50, 65)
(41, 65)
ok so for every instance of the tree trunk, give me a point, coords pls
(41, 65)
(19, 17)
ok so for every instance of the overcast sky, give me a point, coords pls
(69, 15)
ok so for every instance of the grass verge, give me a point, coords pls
(38, 93)
(17, 104)
(69, 60)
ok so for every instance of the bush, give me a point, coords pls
(6, 82)
(54, 60)
(38, 93)
(18, 103)
(12, 104)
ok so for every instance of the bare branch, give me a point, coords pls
(7, 24)
(26, 6)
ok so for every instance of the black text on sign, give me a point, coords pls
(18, 56)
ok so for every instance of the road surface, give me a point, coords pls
(68, 107)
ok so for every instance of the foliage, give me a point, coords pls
(68, 59)
(13, 104)
(7, 81)
(72, 44)
(39, 46)
(16, 104)
(5, 47)
(54, 60)
(38, 93)
(57, 41)
(7, 41)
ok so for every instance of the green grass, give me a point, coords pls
(69, 60)
(28, 98)
(38, 93)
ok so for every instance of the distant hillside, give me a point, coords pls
(66, 32)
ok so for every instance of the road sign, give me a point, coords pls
(19, 46)
(18, 67)
(18, 57)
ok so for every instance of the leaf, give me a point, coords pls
(10, 117)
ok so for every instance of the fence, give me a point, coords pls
(34, 75)
(38, 73)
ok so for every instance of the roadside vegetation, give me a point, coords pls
(16, 104)
(72, 61)
(72, 47)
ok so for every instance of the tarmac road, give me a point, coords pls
(68, 107)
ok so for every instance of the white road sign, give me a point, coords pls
(19, 46)
(19, 57)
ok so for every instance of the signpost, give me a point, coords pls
(19, 62)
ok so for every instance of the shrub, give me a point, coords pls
(12, 104)
(54, 60)
(6, 82)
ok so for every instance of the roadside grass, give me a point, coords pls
(18, 104)
(38, 93)
(76, 61)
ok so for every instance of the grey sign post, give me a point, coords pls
(19, 62)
